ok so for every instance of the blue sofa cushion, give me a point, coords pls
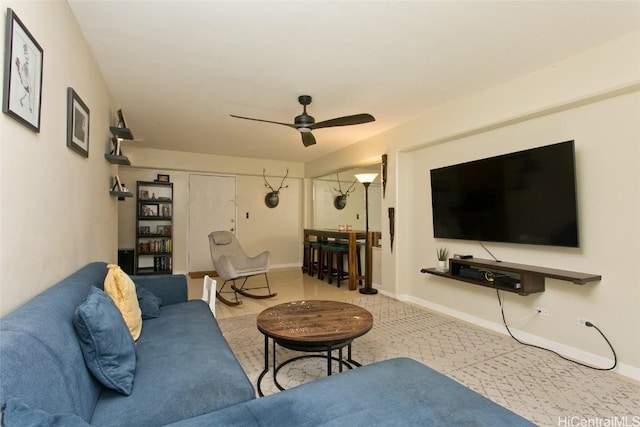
(393, 392)
(171, 288)
(17, 413)
(184, 368)
(107, 346)
(148, 302)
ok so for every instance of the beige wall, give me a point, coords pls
(56, 212)
(278, 230)
(606, 136)
(592, 98)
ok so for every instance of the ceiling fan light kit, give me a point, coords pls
(304, 123)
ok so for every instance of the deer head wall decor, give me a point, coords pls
(341, 201)
(273, 198)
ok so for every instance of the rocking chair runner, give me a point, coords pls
(231, 263)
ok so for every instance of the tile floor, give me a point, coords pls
(289, 284)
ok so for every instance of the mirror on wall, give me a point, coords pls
(329, 213)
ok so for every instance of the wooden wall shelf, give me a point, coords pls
(519, 278)
(117, 160)
(121, 194)
(124, 133)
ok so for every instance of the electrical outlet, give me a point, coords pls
(541, 311)
(582, 321)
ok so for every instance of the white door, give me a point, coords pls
(212, 207)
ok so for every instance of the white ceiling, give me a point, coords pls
(179, 68)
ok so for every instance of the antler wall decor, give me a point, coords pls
(273, 198)
(341, 201)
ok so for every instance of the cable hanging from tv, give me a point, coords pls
(488, 251)
(588, 324)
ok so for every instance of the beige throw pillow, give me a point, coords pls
(119, 286)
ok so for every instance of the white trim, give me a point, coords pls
(283, 266)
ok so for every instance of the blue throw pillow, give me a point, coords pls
(107, 346)
(148, 302)
(17, 413)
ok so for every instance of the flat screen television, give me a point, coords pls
(524, 197)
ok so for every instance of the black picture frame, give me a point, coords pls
(162, 178)
(23, 60)
(77, 124)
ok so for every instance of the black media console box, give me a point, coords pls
(519, 278)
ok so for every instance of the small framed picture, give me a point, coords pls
(166, 211)
(144, 248)
(163, 178)
(77, 124)
(22, 74)
(149, 210)
(144, 230)
(144, 194)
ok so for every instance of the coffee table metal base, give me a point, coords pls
(329, 348)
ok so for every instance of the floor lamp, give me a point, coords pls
(366, 179)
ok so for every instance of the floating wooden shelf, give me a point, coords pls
(121, 194)
(519, 278)
(124, 133)
(117, 160)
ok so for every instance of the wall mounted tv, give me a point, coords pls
(523, 197)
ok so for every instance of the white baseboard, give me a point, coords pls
(283, 266)
(591, 359)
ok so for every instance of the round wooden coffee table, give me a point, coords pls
(312, 326)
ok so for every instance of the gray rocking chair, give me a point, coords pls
(231, 263)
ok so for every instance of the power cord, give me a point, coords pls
(488, 251)
(588, 324)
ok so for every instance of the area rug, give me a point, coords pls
(539, 386)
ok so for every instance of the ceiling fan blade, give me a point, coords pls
(266, 121)
(356, 119)
(308, 138)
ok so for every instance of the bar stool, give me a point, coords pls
(323, 250)
(334, 255)
(306, 256)
(310, 254)
(326, 258)
(345, 272)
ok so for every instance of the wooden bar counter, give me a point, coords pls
(351, 237)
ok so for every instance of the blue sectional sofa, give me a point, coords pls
(186, 374)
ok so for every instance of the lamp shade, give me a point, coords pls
(366, 177)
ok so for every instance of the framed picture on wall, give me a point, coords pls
(77, 124)
(22, 74)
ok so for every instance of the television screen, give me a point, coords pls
(524, 197)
